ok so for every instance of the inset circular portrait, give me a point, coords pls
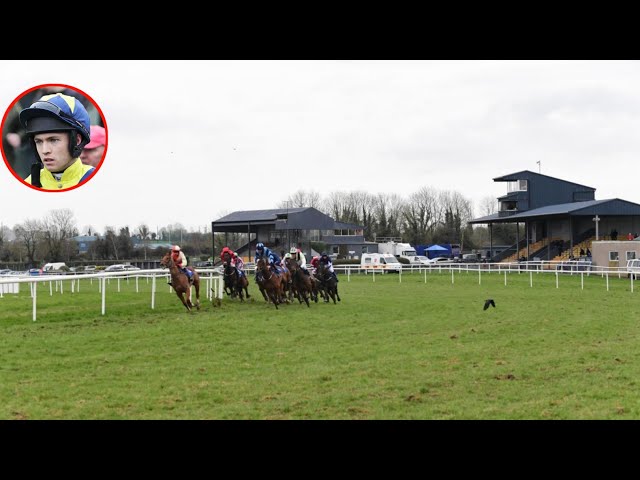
(54, 138)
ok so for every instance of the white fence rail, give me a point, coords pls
(212, 279)
(209, 279)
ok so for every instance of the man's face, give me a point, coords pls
(92, 156)
(53, 148)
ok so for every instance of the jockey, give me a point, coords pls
(181, 262)
(324, 258)
(271, 256)
(236, 261)
(58, 128)
(314, 264)
(226, 250)
(300, 259)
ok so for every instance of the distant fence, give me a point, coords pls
(10, 284)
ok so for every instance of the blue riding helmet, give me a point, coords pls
(260, 246)
(58, 112)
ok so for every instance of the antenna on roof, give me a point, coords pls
(539, 167)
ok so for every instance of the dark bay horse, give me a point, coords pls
(271, 283)
(233, 281)
(301, 283)
(180, 282)
(328, 282)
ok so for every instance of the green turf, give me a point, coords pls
(389, 350)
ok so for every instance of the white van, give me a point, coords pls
(380, 262)
(633, 268)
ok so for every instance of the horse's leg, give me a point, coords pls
(245, 284)
(273, 293)
(188, 294)
(196, 283)
(303, 292)
(181, 297)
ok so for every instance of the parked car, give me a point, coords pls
(204, 264)
(114, 268)
(5, 271)
(633, 268)
(416, 259)
(131, 267)
(440, 260)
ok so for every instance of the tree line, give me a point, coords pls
(424, 217)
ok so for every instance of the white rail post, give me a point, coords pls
(104, 290)
(153, 292)
(35, 294)
(530, 278)
(557, 286)
(607, 281)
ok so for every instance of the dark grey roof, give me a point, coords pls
(257, 215)
(527, 174)
(305, 218)
(612, 206)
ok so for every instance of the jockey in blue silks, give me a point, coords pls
(272, 258)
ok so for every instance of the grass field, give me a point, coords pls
(389, 350)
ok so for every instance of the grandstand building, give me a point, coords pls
(561, 218)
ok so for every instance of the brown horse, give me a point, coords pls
(235, 282)
(270, 282)
(180, 282)
(301, 283)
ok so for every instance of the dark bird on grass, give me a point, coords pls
(487, 302)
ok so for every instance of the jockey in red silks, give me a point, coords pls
(314, 263)
(234, 258)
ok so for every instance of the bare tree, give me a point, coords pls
(144, 233)
(111, 241)
(488, 205)
(29, 234)
(301, 199)
(58, 229)
(421, 215)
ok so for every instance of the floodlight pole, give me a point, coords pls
(597, 220)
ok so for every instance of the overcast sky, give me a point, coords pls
(190, 141)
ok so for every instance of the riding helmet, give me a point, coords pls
(57, 112)
(176, 248)
(260, 246)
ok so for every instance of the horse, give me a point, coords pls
(180, 282)
(301, 283)
(271, 283)
(235, 282)
(329, 283)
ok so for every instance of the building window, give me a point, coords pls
(365, 249)
(522, 185)
(631, 255)
(613, 256)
